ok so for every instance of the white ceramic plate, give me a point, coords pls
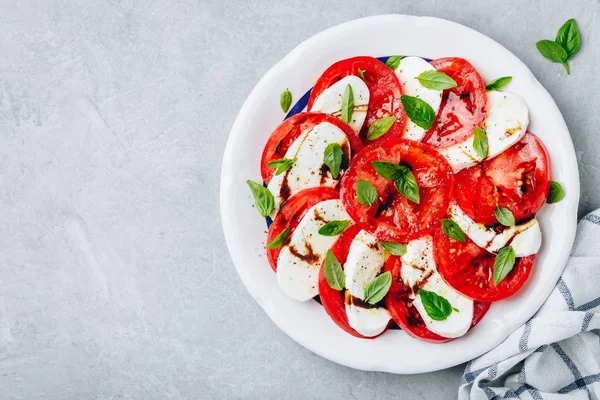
(245, 231)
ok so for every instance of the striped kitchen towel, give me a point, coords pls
(556, 354)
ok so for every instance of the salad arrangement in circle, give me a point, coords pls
(404, 195)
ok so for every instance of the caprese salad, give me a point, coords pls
(405, 194)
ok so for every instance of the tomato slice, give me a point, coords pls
(284, 135)
(393, 217)
(469, 269)
(292, 212)
(463, 107)
(385, 91)
(517, 179)
(400, 306)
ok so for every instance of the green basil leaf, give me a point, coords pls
(503, 264)
(279, 239)
(333, 158)
(569, 38)
(393, 62)
(263, 198)
(334, 274)
(397, 249)
(498, 84)
(333, 228)
(285, 100)
(361, 72)
(347, 104)
(419, 111)
(480, 142)
(380, 127)
(366, 194)
(406, 184)
(553, 52)
(452, 230)
(282, 165)
(436, 80)
(437, 307)
(376, 290)
(504, 216)
(386, 169)
(555, 193)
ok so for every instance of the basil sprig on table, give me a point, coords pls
(263, 198)
(480, 142)
(397, 249)
(366, 194)
(498, 84)
(393, 62)
(403, 178)
(334, 274)
(333, 158)
(564, 47)
(279, 239)
(285, 100)
(282, 165)
(452, 230)
(503, 264)
(504, 216)
(437, 307)
(555, 192)
(380, 127)
(376, 290)
(347, 104)
(333, 228)
(419, 111)
(436, 80)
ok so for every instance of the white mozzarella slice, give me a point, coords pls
(330, 101)
(525, 238)
(407, 72)
(308, 150)
(419, 272)
(365, 260)
(300, 259)
(506, 122)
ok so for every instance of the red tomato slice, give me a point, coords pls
(406, 316)
(469, 269)
(393, 217)
(517, 179)
(292, 212)
(462, 108)
(384, 91)
(289, 130)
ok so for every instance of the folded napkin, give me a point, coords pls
(556, 354)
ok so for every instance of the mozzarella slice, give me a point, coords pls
(300, 259)
(407, 72)
(419, 272)
(525, 238)
(365, 260)
(330, 101)
(308, 151)
(505, 123)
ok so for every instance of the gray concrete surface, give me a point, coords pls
(115, 282)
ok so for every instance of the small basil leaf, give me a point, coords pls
(263, 198)
(397, 249)
(279, 239)
(386, 169)
(498, 84)
(452, 230)
(503, 264)
(366, 194)
(282, 165)
(437, 307)
(334, 274)
(380, 127)
(419, 111)
(333, 228)
(376, 290)
(361, 72)
(504, 216)
(480, 142)
(436, 80)
(553, 52)
(569, 38)
(333, 158)
(393, 62)
(555, 193)
(347, 104)
(285, 100)
(406, 184)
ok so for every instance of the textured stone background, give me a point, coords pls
(115, 282)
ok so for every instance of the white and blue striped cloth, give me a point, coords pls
(556, 354)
